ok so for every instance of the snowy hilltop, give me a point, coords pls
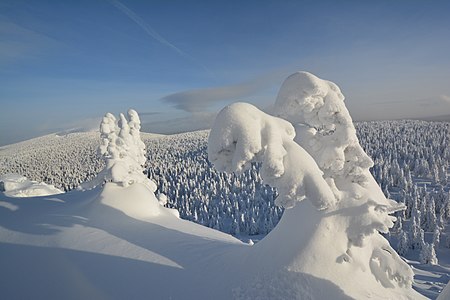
(113, 239)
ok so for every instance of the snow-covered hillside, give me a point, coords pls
(239, 204)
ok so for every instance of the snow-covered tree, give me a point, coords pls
(428, 254)
(431, 220)
(325, 129)
(345, 210)
(403, 243)
(123, 152)
(437, 237)
(398, 226)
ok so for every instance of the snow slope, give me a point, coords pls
(110, 244)
(445, 294)
(113, 242)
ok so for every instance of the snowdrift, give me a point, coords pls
(15, 185)
(108, 243)
(113, 240)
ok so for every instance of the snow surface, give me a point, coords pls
(445, 294)
(14, 185)
(109, 244)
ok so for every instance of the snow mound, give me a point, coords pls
(136, 201)
(14, 185)
(107, 243)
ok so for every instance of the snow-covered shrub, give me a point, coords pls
(162, 199)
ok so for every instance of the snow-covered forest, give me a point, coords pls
(411, 165)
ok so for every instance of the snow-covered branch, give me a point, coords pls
(243, 134)
(323, 125)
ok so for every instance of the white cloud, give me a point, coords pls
(202, 99)
(445, 98)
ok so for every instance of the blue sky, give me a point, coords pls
(63, 64)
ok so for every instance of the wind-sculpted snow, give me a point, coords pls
(14, 185)
(243, 134)
(325, 129)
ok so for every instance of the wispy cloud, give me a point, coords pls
(18, 42)
(153, 33)
(201, 99)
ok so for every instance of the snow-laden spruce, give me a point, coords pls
(243, 134)
(123, 151)
(323, 125)
(338, 237)
(124, 154)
